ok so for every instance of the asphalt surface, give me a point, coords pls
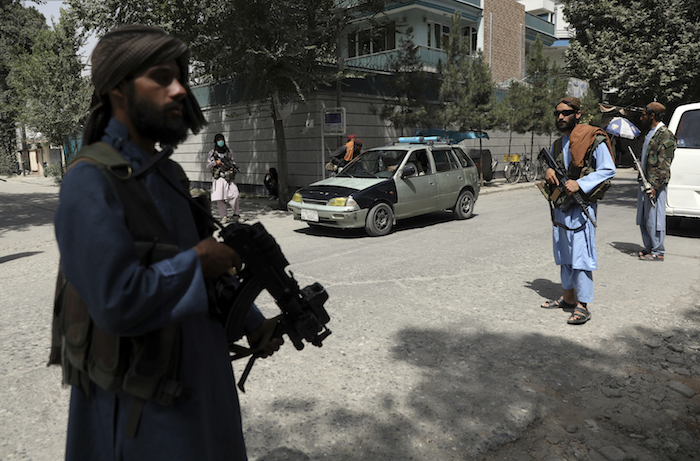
(439, 350)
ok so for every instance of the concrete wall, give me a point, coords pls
(252, 140)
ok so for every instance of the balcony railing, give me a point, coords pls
(379, 62)
(539, 24)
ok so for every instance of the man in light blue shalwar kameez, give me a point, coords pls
(574, 238)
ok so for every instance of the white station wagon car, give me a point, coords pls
(411, 177)
(683, 196)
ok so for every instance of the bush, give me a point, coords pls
(54, 171)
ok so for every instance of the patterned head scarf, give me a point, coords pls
(124, 52)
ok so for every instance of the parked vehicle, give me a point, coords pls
(488, 162)
(411, 177)
(683, 194)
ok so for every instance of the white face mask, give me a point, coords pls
(220, 143)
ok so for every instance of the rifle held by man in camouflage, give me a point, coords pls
(646, 185)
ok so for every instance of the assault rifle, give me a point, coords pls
(646, 185)
(562, 178)
(228, 164)
(303, 315)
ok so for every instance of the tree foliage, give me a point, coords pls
(277, 51)
(18, 28)
(644, 49)
(546, 87)
(467, 89)
(408, 106)
(512, 113)
(52, 96)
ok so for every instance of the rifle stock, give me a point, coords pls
(562, 178)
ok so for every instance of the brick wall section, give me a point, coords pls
(508, 37)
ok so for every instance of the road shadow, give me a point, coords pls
(417, 222)
(622, 192)
(18, 212)
(545, 288)
(479, 393)
(26, 254)
(631, 249)
(686, 227)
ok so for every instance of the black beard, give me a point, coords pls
(568, 127)
(154, 124)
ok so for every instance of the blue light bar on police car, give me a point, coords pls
(418, 139)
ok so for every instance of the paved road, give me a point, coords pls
(439, 349)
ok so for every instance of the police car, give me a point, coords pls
(411, 177)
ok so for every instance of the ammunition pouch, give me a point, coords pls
(563, 201)
(219, 172)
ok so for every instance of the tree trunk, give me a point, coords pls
(481, 165)
(282, 171)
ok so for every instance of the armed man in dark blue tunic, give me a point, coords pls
(133, 329)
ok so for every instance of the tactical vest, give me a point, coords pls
(574, 172)
(144, 366)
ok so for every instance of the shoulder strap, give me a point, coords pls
(104, 154)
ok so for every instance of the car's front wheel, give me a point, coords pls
(380, 220)
(464, 208)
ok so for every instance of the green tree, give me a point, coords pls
(467, 90)
(277, 51)
(512, 114)
(590, 109)
(407, 108)
(646, 50)
(546, 87)
(18, 28)
(52, 96)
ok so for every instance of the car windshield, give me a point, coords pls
(376, 163)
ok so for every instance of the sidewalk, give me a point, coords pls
(30, 179)
(256, 203)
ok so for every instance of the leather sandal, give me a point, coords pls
(557, 304)
(583, 314)
(651, 257)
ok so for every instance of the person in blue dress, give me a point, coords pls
(142, 98)
(585, 153)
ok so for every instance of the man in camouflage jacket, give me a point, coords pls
(657, 155)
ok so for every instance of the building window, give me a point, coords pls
(352, 45)
(369, 41)
(438, 35)
(470, 33)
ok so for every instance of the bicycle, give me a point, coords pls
(512, 170)
(533, 170)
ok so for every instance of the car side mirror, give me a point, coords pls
(408, 170)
